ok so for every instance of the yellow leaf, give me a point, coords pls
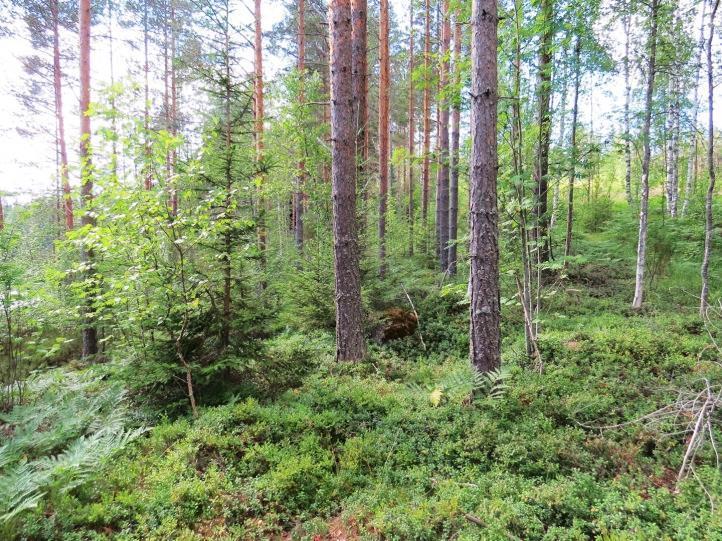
(436, 396)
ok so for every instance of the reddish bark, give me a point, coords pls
(60, 118)
(260, 113)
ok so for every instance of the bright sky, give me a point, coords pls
(27, 165)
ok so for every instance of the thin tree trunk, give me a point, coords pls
(544, 93)
(383, 130)
(455, 136)
(692, 160)
(411, 146)
(574, 152)
(173, 110)
(672, 180)
(442, 213)
(709, 222)
(644, 201)
(517, 138)
(60, 118)
(562, 143)
(350, 345)
(228, 163)
(260, 117)
(113, 123)
(359, 70)
(427, 125)
(147, 172)
(2, 215)
(627, 104)
(301, 180)
(90, 333)
(484, 332)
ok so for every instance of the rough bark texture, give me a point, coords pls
(442, 179)
(454, 173)
(173, 108)
(574, 151)
(544, 120)
(299, 196)
(2, 215)
(427, 121)
(359, 70)
(411, 134)
(60, 119)
(484, 333)
(709, 218)
(383, 130)
(90, 333)
(627, 103)
(350, 344)
(644, 200)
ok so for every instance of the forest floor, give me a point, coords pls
(393, 448)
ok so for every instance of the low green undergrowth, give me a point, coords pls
(394, 449)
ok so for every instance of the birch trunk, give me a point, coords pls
(709, 218)
(644, 201)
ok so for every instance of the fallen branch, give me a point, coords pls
(418, 320)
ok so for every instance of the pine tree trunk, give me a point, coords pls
(383, 130)
(89, 332)
(411, 134)
(644, 201)
(2, 215)
(60, 118)
(627, 103)
(427, 124)
(299, 197)
(709, 218)
(350, 345)
(442, 214)
(485, 312)
(454, 174)
(541, 168)
(574, 151)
